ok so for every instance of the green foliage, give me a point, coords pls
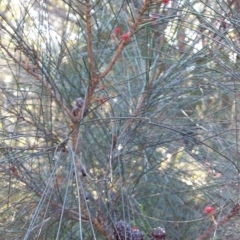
(160, 139)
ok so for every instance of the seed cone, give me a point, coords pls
(123, 231)
(158, 234)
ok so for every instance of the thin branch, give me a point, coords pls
(89, 43)
(224, 220)
(71, 213)
(47, 86)
(93, 77)
(123, 43)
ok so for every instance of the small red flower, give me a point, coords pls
(102, 99)
(126, 37)
(166, 2)
(209, 210)
(117, 30)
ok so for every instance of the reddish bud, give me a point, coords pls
(166, 2)
(209, 210)
(102, 99)
(117, 30)
(126, 37)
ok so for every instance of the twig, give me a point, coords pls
(48, 87)
(98, 223)
(93, 79)
(123, 43)
(224, 220)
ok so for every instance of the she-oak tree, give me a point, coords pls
(119, 119)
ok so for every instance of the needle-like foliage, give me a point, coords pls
(119, 119)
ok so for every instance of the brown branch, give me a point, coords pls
(224, 220)
(92, 70)
(123, 43)
(89, 44)
(75, 136)
(94, 78)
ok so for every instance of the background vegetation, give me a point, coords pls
(119, 110)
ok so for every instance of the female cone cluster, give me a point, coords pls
(123, 231)
(78, 105)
